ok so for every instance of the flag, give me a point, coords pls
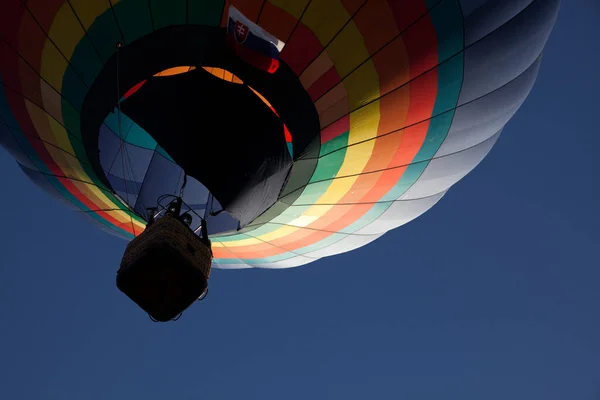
(252, 43)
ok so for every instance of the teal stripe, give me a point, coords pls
(330, 163)
(134, 20)
(207, 13)
(131, 132)
(337, 143)
(166, 13)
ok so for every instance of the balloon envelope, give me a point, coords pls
(303, 129)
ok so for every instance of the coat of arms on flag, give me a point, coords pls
(240, 32)
(252, 43)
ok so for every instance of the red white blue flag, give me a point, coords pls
(252, 43)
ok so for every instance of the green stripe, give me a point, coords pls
(166, 13)
(207, 13)
(134, 20)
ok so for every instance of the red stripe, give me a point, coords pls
(134, 89)
(302, 48)
(288, 135)
(406, 12)
(336, 129)
(324, 83)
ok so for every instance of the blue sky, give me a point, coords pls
(490, 295)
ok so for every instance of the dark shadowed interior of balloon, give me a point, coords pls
(232, 141)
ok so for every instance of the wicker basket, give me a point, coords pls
(165, 269)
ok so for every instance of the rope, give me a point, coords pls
(183, 186)
(122, 140)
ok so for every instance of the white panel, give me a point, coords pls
(485, 16)
(349, 243)
(470, 6)
(442, 173)
(289, 263)
(504, 54)
(400, 213)
(481, 119)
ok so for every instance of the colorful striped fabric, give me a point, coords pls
(411, 95)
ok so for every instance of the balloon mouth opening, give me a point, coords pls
(224, 75)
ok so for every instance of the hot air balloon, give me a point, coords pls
(258, 133)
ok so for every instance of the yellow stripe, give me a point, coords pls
(66, 31)
(53, 66)
(51, 101)
(345, 60)
(325, 18)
